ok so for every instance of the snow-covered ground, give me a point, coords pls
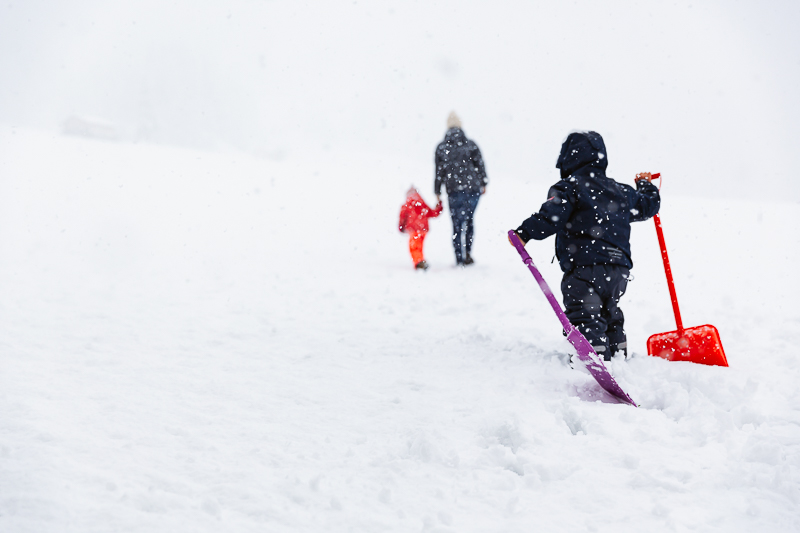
(193, 341)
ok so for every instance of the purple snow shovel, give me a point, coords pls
(586, 354)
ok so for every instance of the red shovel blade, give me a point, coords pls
(700, 344)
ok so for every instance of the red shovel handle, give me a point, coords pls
(673, 296)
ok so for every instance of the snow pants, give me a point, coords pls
(462, 210)
(415, 241)
(591, 298)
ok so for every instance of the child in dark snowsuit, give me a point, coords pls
(414, 217)
(591, 215)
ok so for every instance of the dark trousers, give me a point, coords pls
(462, 210)
(591, 297)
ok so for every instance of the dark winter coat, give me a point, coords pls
(459, 164)
(590, 213)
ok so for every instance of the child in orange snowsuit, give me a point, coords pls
(414, 217)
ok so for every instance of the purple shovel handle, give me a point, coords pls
(526, 258)
(586, 353)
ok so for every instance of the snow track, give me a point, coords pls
(201, 342)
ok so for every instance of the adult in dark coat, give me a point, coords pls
(591, 215)
(459, 167)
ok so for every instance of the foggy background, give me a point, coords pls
(704, 92)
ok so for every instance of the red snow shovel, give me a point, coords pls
(700, 344)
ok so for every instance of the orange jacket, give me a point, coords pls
(415, 213)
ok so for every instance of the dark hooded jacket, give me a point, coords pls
(590, 213)
(459, 164)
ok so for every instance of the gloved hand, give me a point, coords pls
(523, 241)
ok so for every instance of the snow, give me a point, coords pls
(198, 341)
(209, 322)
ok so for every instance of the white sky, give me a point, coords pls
(703, 92)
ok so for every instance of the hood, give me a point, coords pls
(581, 149)
(455, 135)
(413, 195)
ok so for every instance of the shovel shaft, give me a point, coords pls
(526, 258)
(668, 270)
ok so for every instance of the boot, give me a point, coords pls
(422, 265)
(603, 352)
(620, 349)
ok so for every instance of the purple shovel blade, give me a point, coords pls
(586, 354)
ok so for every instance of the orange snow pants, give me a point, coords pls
(415, 243)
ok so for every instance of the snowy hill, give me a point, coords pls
(194, 341)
